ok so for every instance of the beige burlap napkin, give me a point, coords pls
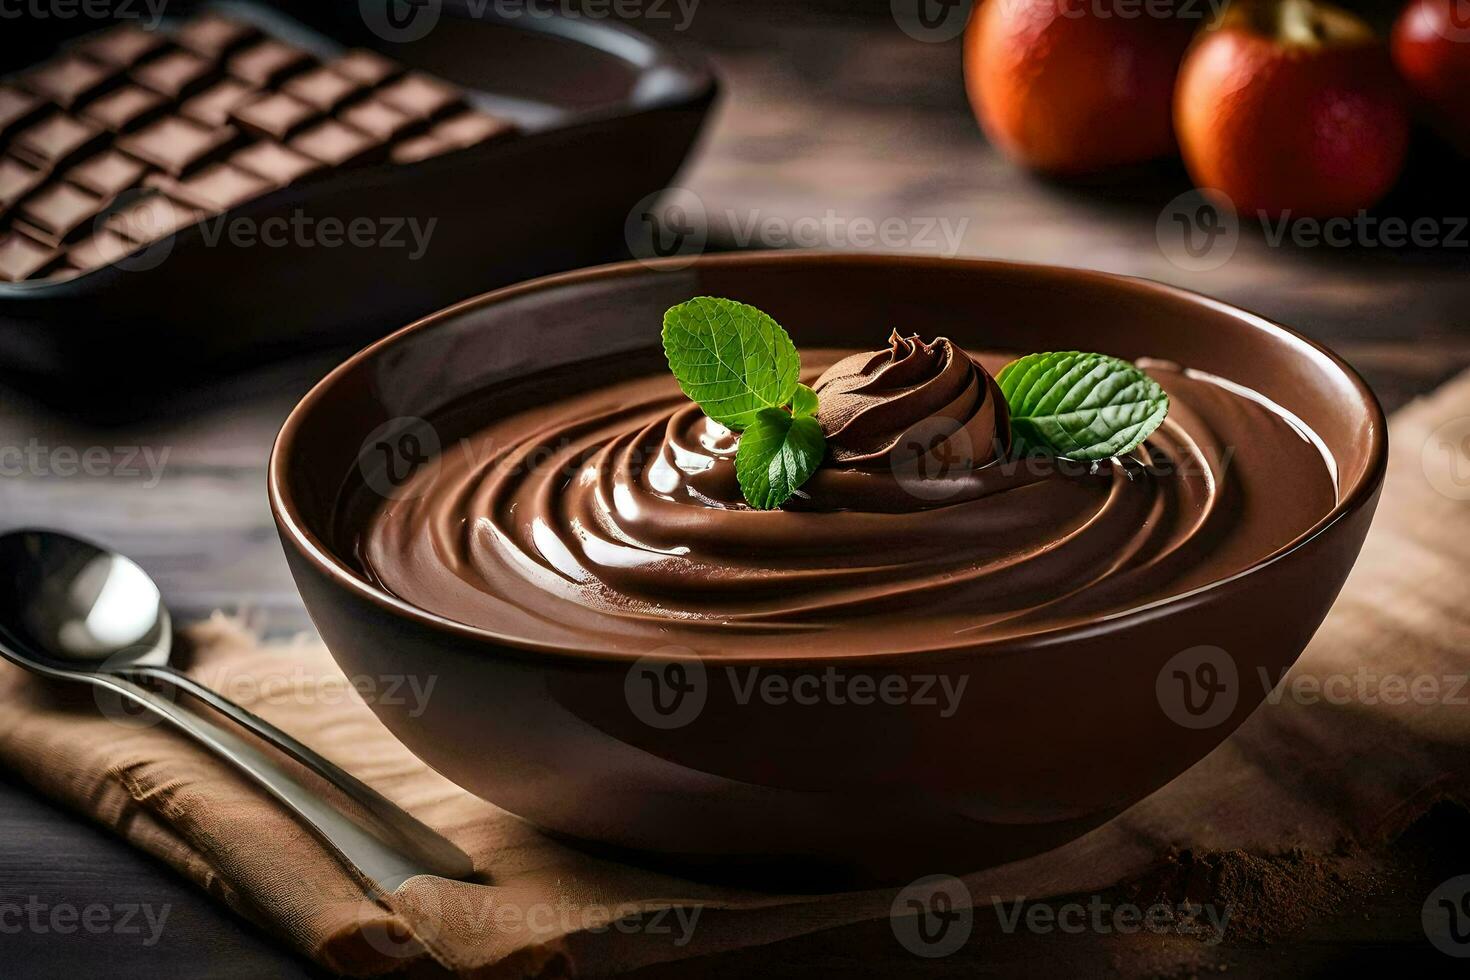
(1367, 731)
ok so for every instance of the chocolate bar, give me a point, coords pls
(56, 213)
(122, 47)
(107, 174)
(24, 258)
(17, 179)
(276, 115)
(129, 135)
(126, 109)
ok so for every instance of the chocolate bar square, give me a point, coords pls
(21, 258)
(17, 179)
(367, 67)
(177, 146)
(101, 248)
(107, 174)
(278, 164)
(323, 88)
(56, 212)
(69, 80)
(125, 109)
(379, 119)
(218, 187)
(421, 96)
(18, 109)
(335, 144)
(56, 141)
(269, 62)
(470, 128)
(123, 46)
(177, 74)
(151, 218)
(420, 148)
(276, 115)
(214, 35)
(213, 106)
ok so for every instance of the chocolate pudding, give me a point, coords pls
(611, 519)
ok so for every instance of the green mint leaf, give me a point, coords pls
(730, 358)
(778, 453)
(1081, 406)
(804, 402)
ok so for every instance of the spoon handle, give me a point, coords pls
(381, 865)
(430, 848)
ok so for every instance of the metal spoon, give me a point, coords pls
(71, 610)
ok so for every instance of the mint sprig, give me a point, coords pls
(741, 368)
(1081, 406)
(730, 358)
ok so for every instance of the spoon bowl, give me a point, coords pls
(80, 607)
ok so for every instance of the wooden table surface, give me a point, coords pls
(831, 119)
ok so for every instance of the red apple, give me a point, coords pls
(1076, 86)
(1292, 106)
(1431, 47)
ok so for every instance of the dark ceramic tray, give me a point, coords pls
(607, 116)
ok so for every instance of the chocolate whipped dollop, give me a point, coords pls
(894, 407)
(612, 518)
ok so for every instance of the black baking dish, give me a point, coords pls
(606, 115)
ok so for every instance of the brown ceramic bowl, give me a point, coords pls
(1055, 733)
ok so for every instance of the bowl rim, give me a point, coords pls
(294, 533)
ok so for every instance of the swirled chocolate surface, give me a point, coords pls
(612, 519)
